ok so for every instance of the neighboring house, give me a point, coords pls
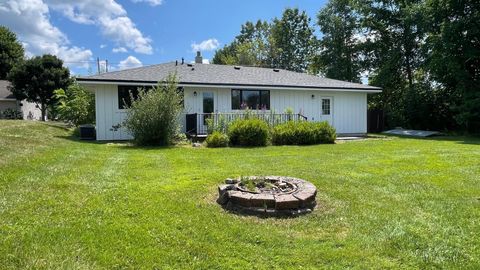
(30, 111)
(212, 88)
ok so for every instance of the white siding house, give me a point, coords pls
(29, 110)
(342, 104)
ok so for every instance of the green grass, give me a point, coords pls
(383, 203)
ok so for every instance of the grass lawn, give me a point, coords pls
(383, 203)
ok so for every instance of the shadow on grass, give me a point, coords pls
(77, 139)
(57, 125)
(120, 144)
(458, 139)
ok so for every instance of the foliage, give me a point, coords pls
(452, 55)
(36, 79)
(248, 132)
(293, 41)
(217, 123)
(288, 43)
(410, 49)
(152, 119)
(340, 47)
(75, 105)
(11, 51)
(303, 133)
(250, 48)
(10, 113)
(217, 139)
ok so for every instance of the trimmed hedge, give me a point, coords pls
(217, 139)
(10, 113)
(248, 132)
(303, 133)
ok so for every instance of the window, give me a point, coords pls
(251, 99)
(124, 98)
(325, 106)
(207, 102)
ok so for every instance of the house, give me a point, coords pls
(29, 110)
(212, 88)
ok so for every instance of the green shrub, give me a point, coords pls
(217, 139)
(303, 133)
(217, 123)
(325, 133)
(152, 119)
(248, 132)
(10, 113)
(75, 105)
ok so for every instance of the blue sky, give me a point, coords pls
(132, 33)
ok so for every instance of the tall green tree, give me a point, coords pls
(250, 48)
(293, 41)
(341, 45)
(288, 42)
(453, 55)
(36, 79)
(395, 30)
(11, 51)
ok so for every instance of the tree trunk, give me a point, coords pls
(44, 111)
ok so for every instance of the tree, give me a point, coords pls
(250, 48)
(393, 55)
(75, 105)
(293, 41)
(36, 79)
(11, 51)
(340, 46)
(453, 55)
(153, 117)
(288, 42)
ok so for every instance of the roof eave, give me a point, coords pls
(231, 85)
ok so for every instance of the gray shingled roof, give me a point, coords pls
(4, 92)
(210, 74)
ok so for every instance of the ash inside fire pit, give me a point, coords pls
(268, 195)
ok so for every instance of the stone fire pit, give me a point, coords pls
(268, 195)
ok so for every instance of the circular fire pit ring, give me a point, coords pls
(268, 195)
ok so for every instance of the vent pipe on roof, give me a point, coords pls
(199, 58)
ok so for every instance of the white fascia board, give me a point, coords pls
(237, 87)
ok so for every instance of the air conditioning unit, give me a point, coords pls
(87, 132)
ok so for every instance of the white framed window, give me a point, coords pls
(326, 106)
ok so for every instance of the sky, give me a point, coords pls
(133, 33)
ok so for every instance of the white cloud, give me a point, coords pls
(123, 32)
(110, 17)
(130, 62)
(150, 2)
(206, 45)
(119, 50)
(29, 19)
(103, 46)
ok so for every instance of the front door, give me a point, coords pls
(208, 108)
(326, 109)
